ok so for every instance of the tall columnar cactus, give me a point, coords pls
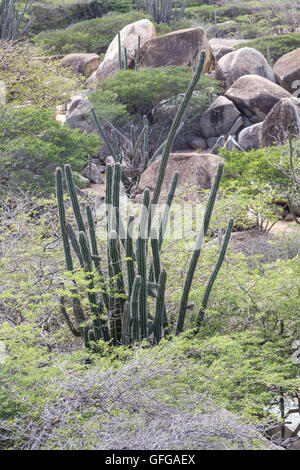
(13, 25)
(118, 309)
(215, 272)
(197, 250)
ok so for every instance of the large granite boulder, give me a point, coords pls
(287, 71)
(255, 95)
(244, 61)
(84, 64)
(219, 118)
(196, 171)
(222, 46)
(129, 39)
(249, 138)
(177, 48)
(281, 121)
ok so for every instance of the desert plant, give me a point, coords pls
(12, 24)
(127, 310)
(163, 11)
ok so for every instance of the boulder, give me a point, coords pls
(256, 95)
(93, 173)
(245, 61)
(222, 46)
(231, 144)
(177, 48)
(129, 39)
(196, 171)
(79, 117)
(249, 138)
(287, 71)
(218, 145)
(196, 143)
(283, 119)
(84, 64)
(219, 118)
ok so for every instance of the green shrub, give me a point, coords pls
(87, 36)
(274, 47)
(258, 169)
(107, 107)
(142, 90)
(29, 80)
(33, 144)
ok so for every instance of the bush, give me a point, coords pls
(274, 47)
(87, 36)
(142, 90)
(33, 144)
(258, 169)
(107, 107)
(29, 80)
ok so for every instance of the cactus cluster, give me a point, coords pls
(123, 62)
(163, 11)
(12, 23)
(119, 309)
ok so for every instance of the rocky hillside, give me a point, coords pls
(149, 225)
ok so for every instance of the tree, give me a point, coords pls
(31, 80)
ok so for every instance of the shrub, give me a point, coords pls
(274, 47)
(29, 80)
(87, 36)
(106, 107)
(142, 90)
(258, 169)
(33, 143)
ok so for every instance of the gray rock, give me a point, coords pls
(231, 144)
(257, 95)
(236, 127)
(219, 144)
(244, 61)
(93, 173)
(211, 142)
(249, 138)
(219, 118)
(282, 120)
(196, 143)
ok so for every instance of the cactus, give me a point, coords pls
(134, 308)
(197, 250)
(160, 306)
(174, 128)
(163, 11)
(119, 310)
(12, 25)
(215, 272)
(141, 258)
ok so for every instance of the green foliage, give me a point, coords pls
(30, 80)
(274, 46)
(92, 35)
(146, 88)
(33, 143)
(107, 107)
(262, 169)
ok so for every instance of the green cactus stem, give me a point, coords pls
(174, 127)
(74, 199)
(198, 249)
(135, 308)
(215, 272)
(160, 307)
